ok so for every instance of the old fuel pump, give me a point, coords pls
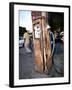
(41, 42)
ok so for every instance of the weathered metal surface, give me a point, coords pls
(42, 48)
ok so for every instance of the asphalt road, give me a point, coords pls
(26, 64)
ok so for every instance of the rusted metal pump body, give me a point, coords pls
(41, 42)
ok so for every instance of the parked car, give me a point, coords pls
(21, 42)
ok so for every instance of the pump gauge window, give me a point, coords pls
(37, 31)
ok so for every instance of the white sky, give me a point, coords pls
(25, 19)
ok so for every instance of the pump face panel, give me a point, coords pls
(42, 49)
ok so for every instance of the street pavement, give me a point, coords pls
(26, 64)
